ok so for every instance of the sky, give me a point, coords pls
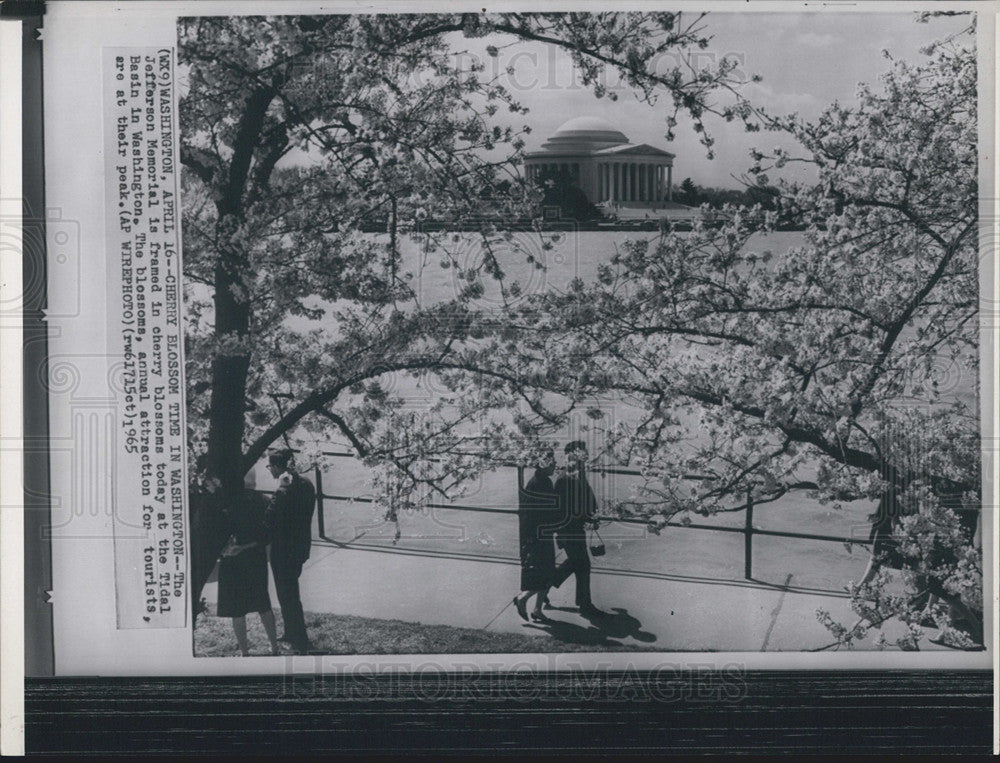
(806, 61)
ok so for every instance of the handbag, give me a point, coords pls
(597, 548)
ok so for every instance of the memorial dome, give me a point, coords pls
(598, 158)
(585, 134)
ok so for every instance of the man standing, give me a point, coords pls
(578, 509)
(289, 523)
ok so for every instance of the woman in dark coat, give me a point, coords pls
(538, 516)
(243, 569)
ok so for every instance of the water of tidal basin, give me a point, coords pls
(577, 255)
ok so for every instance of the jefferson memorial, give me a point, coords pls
(608, 168)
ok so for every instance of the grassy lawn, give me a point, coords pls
(347, 634)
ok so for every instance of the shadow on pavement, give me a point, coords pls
(571, 633)
(618, 623)
(602, 631)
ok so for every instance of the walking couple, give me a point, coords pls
(560, 512)
(284, 523)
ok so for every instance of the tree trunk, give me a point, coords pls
(224, 456)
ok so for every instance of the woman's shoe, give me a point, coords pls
(521, 609)
(538, 617)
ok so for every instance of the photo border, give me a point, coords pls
(854, 710)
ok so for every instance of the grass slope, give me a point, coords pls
(348, 634)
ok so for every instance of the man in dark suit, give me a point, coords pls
(578, 509)
(289, 524)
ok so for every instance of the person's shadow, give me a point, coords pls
(618, 623)
(602, 631)
(571, 633)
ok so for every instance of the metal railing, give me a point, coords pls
(747, 530)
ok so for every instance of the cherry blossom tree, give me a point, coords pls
(298, 134)
(824, 367)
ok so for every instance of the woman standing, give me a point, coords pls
(538, 516)
(243, 569)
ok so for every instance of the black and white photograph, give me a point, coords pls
(422, 377)
(551, 332)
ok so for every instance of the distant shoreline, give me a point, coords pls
(560, 226)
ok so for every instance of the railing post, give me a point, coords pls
(748, 540)
(520, 479)
(320, 519)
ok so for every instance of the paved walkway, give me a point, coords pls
(665, 611)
